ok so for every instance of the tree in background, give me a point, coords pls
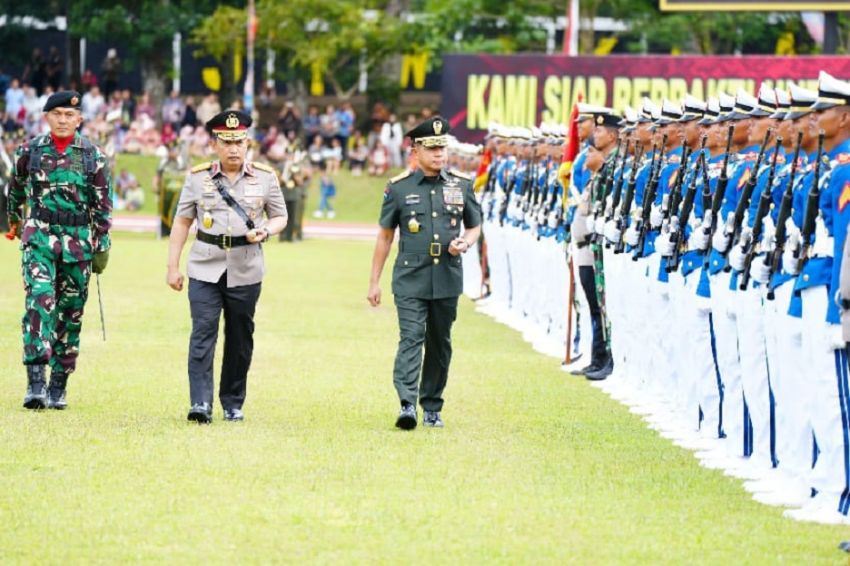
(143, 29)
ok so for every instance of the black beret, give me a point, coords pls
(63, 99)
(431, 133)
(230, 125)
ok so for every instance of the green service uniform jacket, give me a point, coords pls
(428, 213)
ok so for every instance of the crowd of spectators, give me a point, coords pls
(123, 122)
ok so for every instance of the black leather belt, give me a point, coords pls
(435, 249)
(60, 218)
(223, 241)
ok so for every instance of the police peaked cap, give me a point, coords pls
(230, 125)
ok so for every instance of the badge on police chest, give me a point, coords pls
(207, 220)
(413, 225)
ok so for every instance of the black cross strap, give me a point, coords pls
(231, 202)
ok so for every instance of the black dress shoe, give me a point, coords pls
(594, 366)
(602, 372)
(406, 417)
(432, 419)
(234, 415)
(200, 413)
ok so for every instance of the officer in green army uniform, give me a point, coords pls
(63, 181)
(168, 182)
(294, 182)
(428, 206)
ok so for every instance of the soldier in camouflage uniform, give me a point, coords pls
(62, 180)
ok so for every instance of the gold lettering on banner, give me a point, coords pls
(597, 91)
(516, 90)
(476, 106)
(622, 93)
(496, 104)
(566, 98)
(531, 103)
(552, 100)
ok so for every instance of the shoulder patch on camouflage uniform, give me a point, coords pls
(262, 166)
(201, 167)
(457, 173)
(403, 175)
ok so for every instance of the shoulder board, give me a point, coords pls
(262, 166)
(457, 173)
(201, 167)
(403, 175)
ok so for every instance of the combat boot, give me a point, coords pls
(36, 397)
(56, 391)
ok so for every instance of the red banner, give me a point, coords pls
(524, 90)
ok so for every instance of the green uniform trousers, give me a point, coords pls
(428, 323)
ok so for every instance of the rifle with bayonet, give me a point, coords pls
(719, 193)
(774, 258)
(765, 199)
(812, 210)
(628, 199)
(734, 233)
(680, 221)
(648, 201)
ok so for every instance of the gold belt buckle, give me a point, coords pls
(226, 241)
(435, 249)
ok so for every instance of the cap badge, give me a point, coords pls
(599, 119)
(74, 100)
(438, 127)
(232, 121)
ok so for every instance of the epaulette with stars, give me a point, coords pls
(201, 167)
(460, 174)
(403, 175)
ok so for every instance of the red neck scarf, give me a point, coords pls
(62, 143)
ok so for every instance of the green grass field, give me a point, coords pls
(534, 467)
(358, 198)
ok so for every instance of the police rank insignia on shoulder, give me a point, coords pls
(262, 166)
(201, 167)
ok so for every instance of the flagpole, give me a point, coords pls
(248, 98)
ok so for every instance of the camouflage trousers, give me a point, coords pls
(56, 294)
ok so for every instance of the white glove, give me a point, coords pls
(656, 217)
(600, 225)
(699, 235)
(632, 235)
(824, 244)
(591, 224)
(720, 242)
(792, 246)
(612, 234)
(737, 255)
(664, 245)
(768, 238)
(835, 338)
(760, 271)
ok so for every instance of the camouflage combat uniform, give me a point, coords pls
(69, 203)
